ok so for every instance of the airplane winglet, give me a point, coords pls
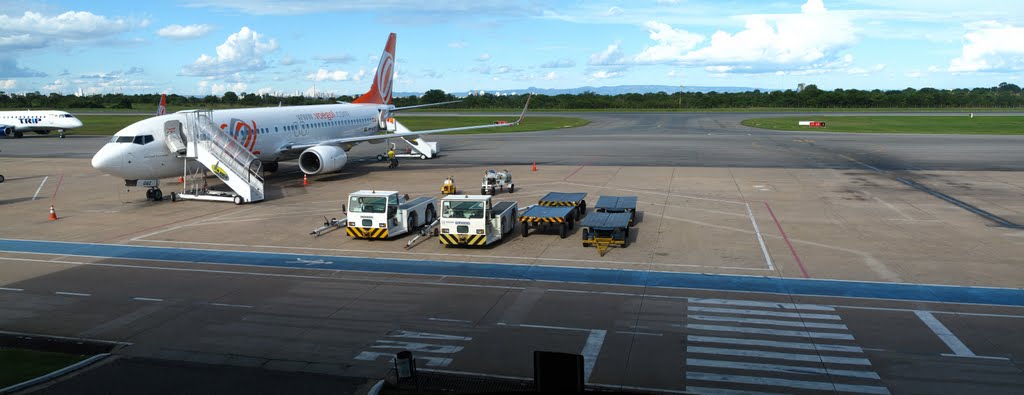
(523, 115)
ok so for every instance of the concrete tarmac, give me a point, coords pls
(851, 251)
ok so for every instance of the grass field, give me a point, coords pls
(1013, 125)
(20, 365)
(106, 125)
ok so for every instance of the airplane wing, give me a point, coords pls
(360, 139)
(396, 109)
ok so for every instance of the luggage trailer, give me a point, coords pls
(604, 230)
(617, 204)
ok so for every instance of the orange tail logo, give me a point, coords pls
(380, 92)
(163, 105)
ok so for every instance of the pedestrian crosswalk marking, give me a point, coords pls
(776, 382)
(778, 355)
(765, 331)
(755, 303)
(774, 343)
(780, 314)
(799, 324)
(767, 367)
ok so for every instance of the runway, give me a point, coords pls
(762, 262)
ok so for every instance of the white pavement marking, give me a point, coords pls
(11, 289)
(421, 347)
(958, 347)
(722, 391)
(561, 328)
(635, 333)
(429, 360)
(243, 306)
(778, 355)
(775, 332)
(800, 384)
(72, 294)
(148, 299)
(449, 320)
(764, 312)
(590, 352)
(775, 344)
(431, 336)
(760, 240)
(894, 208)
(40, 187)
(753, 303)
(799, 324)
(774, 368)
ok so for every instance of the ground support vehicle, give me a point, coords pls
(561, 217)
(604, 230)
(617, 204)
(448, 187)
(493, 181)
(386, 214)
(574, 199)
(471, 220)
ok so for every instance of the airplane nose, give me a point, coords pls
(105, 160)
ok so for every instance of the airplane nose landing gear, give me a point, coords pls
(155, 193)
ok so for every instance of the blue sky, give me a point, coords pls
(199, 47)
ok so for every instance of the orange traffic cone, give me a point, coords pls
(305, 180)
(53, 214)
(534, 167)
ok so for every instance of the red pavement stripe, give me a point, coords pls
(784, 237)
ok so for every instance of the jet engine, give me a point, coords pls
(322, 159)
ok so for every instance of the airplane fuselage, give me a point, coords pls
(12, 122)
(269, 133)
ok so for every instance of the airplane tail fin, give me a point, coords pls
(163, 105)
(380, 91)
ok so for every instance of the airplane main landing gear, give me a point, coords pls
(61, 133)
(155, 193)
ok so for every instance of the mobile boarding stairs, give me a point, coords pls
(200, 140)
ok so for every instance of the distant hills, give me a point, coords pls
(602, 90)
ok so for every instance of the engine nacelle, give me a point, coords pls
(322, 159)
(7, 131)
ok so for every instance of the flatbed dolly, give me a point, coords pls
(573, 199)
(562, 217)
(617, 204)
(604, 230)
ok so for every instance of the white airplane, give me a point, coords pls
(318, 135)
(17, 123)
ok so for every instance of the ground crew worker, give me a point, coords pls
(392, 159)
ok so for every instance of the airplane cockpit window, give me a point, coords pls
(122, 139)
(143, 140)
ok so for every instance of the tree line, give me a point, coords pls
(1005, 95)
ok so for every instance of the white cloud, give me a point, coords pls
(8, 84)
(560, 63)
(914, 74)
(610, 55)
(991, 46)
(672, 44)
(865, 71)
(792, 43)
(550, 76)
(614, 11)
(458, 44)
(603, 74)
(219, 89)
(325, 75)
(35, 30)
(242, 51)
(265, 91)
(288, 61)
(180, 32)
(359, 75)
(483, 57)
(344, 58)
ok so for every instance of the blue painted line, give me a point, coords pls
(721, 282)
